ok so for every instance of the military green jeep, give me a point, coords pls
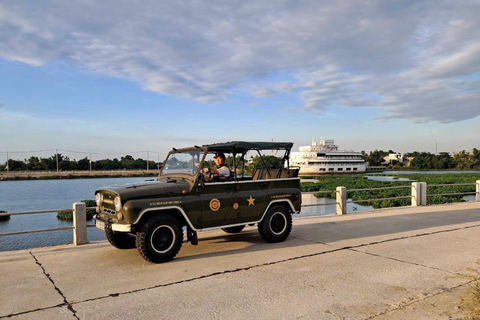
(189, 195)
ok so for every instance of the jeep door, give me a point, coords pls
(217, 202)
(251, 197)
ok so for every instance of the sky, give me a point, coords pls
(110, 78)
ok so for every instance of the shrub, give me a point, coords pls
(4, 218)
(68, 214)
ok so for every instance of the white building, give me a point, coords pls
(394, 157)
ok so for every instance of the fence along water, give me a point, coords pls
(418, 197)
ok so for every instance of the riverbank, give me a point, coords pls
(43, 175)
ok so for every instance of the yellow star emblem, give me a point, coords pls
(251, 201)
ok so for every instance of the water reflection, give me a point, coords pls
(328, 206)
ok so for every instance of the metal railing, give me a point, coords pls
(418, 197)
(79, 227)
(418, 194)
(377, 189)
(452, 185)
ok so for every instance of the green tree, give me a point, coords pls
(476, 159)
(462, 159)
(268, 161)
(443, 161)
(376, 158)
(83, 164)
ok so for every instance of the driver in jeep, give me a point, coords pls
(222, 171)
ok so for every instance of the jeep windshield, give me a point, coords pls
(183, 162)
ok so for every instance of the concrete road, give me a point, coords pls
(405, 263)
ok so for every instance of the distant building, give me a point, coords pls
(398, 157)
(325, 157)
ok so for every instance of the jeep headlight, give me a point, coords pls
(117, 203)
(98, 199)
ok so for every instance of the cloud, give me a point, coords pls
(464, 62)
(416, 60)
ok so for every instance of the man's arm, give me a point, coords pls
(224, 172)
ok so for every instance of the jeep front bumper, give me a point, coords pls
(102, 225)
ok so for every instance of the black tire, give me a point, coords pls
(160, 238)
(276, 224)
(120, 240)
(235, 229)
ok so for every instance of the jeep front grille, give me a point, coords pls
(107, 202)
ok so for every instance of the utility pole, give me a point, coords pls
(147, 160)
(8, 169)
(158, 162)
(56, 156)
(90, 161)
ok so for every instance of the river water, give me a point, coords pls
(33, 195)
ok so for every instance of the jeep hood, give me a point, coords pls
(152, 189)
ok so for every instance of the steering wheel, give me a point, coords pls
(206, 174)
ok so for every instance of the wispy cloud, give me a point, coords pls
(419, 60)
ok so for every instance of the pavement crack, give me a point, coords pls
(391, 239)
(415, 236)
(408, 262)
(30, 311)
(114, 295)
(210, 275)
(68, 304)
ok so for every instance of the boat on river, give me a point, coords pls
(324, 157)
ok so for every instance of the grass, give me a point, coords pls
(471, 302)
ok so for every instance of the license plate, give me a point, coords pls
(100, 224)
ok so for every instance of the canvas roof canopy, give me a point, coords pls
(243, 146)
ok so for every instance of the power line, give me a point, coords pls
(82, 152)
(31, 151)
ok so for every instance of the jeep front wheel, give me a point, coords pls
(160, 238)
(276, 224)
(120, 240)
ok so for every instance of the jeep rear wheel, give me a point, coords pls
(276, 224)
(160, 238)
(120, 240)
(236, 229)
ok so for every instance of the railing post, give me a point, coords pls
(477, 195)
(423, 193)
(416, 194)
(341, 200)
(419, 194)
(79, 223)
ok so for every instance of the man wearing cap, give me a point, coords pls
(222, 169)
